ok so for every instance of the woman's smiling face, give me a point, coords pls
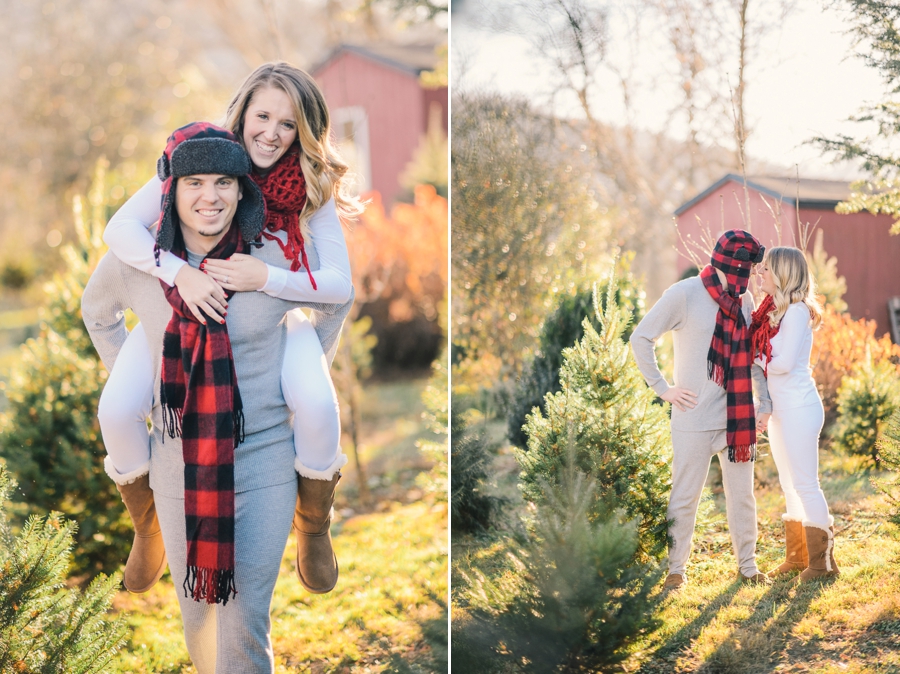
(767, 280)
(269, 127)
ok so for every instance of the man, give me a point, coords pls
(712, 402)
(223, 482)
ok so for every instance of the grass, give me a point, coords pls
(389, 610)
(717, 625)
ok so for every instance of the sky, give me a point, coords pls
(804, 82)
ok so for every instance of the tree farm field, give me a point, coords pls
(716, 624)
(388, 612)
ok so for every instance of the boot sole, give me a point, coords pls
(311, 589)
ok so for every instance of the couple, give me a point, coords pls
(721, 345)
(218, 497)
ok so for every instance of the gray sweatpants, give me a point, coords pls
(235, 638)
(691, 454)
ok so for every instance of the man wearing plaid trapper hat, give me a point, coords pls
(221, 487)
(712, 400)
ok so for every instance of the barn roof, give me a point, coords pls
(819, 194)
(411, 58)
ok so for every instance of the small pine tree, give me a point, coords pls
(437, 415)
(471, 509)
(620, 435)
(562, 329)
(865, 401)
(43, 626)
(889, 453)
(829, 283)
(579, 598)
(49, 434)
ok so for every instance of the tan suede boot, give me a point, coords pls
(317, 567)
(820, 545)
(147, 560)
(796, 557)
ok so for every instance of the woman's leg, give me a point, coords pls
(781, 449)
(123, 410)
(800, 432)
(125, 405)
(309, 392)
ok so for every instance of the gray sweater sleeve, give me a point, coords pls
(669, 313)
(762, 389)
(103, 307)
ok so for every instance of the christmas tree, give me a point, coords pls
(45, 627)
(620, 435)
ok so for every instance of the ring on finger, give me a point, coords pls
(226, 279)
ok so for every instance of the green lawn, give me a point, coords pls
(389, 610)
(715, 624)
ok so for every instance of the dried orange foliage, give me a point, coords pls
(402, 257)
(840, 344)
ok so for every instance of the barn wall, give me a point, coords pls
(393, 101)
(867, 256)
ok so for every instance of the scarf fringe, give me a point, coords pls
(742, 453)
(171, 418)
(216, 586)
(715, 372)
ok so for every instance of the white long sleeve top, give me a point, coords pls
(127, 234)
(790, 381)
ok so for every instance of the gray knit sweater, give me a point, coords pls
(256, 328)
(689, 312)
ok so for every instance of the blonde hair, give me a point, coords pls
(793, 283)
(323, 168)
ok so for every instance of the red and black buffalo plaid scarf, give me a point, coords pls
(762, 332)
(284, 188)
(729, 358)
(201, 403)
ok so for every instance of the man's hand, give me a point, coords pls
(200, 292)
(240, 272)
(681, 398)
(762, 422)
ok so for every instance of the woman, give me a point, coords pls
(781, 334)
(280, 117)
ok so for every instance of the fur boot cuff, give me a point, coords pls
(786, 518)
(127, 478)
(304, 471)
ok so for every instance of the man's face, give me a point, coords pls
(206, 205)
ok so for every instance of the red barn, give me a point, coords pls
(867, 255)
(380, 110)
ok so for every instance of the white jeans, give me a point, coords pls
(305, 383)
(794, 439)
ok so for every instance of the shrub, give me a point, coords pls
(839, 345)
(436, 414)
(471, 509)
(49, 433)
(563, 329)
(620, 435)
(44, 627)
(866, 400)
(578, 598)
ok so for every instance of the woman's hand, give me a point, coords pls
(239, 272)
(200, 292)
(762, 422)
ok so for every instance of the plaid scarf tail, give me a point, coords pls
(728, 364)
(201, 403)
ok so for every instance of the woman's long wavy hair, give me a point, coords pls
(793, 283)
(325, 171)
